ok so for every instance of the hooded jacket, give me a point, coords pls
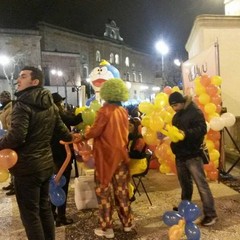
(191, 121)
(34, 120)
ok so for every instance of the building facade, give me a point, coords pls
(67, 58)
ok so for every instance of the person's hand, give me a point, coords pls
(77, 137)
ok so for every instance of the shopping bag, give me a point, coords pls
(84, 190)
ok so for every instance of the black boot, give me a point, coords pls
(63, 221)
(9, 187)
(11, 192)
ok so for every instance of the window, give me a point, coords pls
(140, 77)
(127, 61)
(85, 72)
(111, 58)
(98, 56)
(134, 77)
(116, 58)
(128, 76)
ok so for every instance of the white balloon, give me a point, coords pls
(229, 119)
(217, 123)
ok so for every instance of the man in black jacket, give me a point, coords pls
(190, 120)
(34, 120)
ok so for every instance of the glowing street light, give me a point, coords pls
(4, 60)
(57, 73)
(177, 62)
(163, 49)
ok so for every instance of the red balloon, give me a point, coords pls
(8, 158)
(211, 90)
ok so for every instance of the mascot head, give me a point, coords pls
(101, 74)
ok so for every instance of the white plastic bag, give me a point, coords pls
(85, 197)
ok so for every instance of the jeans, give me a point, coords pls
(34, 206)
(193, 169)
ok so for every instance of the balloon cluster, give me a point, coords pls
(156, 123)
(208, 98)
(181, 221)
(88, 114)
(8, 158)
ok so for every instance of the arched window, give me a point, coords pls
(134, 77)
(128, 76)
(140, 77)
(85, 72)
(111, 58)
(116, 58)
(98, 56)
(127, 61)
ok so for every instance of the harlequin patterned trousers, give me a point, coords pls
(116, 195)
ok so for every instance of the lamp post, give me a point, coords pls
(57, 73)
(163, 49)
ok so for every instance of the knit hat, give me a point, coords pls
(5, 95)
(57, 97)
(176, 97)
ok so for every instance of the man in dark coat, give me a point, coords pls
(35, 118)
(59, 156)
(190, 120)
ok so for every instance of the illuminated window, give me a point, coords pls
(111, 58)
(127, 61)
(98, 56)
(116, 58)
(140, 77)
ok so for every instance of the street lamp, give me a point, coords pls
(163, 49)
(57, 73)
(177, 62)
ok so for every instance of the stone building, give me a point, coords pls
(67, 57)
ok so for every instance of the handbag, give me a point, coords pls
(204, 153)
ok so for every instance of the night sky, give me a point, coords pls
(141, 22)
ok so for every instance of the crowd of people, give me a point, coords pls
(44, 122)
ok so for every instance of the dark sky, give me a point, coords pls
(141, 22)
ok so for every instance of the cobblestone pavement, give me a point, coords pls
(164, 193)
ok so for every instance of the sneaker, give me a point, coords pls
(101, 233)
(128, 229)
(208, 221)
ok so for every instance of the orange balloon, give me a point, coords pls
(213, 175)
(8, 158)
(205, 80)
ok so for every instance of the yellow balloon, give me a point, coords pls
(176, 89)
(210, 108)
(146, 107)
(161, 100)
(3, 175)
(164, 168)
(214, 155)
(204, 98)
(150, 137)
(145, 121)
(200, 89)
(210, 145)
(216, 80)
(156, 123)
